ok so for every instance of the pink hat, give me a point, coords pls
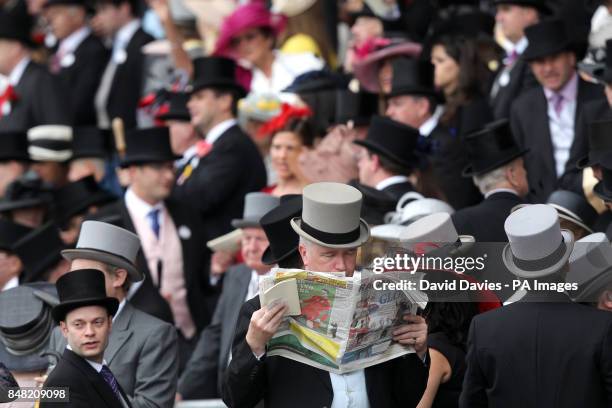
(366, 67)
(251, 15)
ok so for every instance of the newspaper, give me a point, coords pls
(342, 324)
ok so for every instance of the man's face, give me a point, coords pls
(605, 300)
(555, 71)
(81, 168)
(65, 19)
(366, 28)
(153, 182)
(181, 135)
(385, 75)
(111, 281)
(608, 91)
(105, 22)
(86, 330)
(318, 258)
(9, 49)
(519, 177)
(51, 172)
(408, 110)
(10, 266)
(204, 106)
(513, 20)
(367, 167)
(254, 243)
(30, 217)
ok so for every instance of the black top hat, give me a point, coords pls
(39, 250)
(177, 109)
(150, 145)
(539, 5)
(603, 189)
(25, 331)
(376, 203)
(573, 207)
(413, 77)
(546, 38)
(11, 233)
(16, 23)
(76, 198)
(490, 148)
(356, 107)
(90, 141)
(84, 3)
(600, 144)
(314, 81)
(215, 72)
(393, 140)
(275, 223)
(25, 192)
(14, 146)
(83, 287)
(604, 73)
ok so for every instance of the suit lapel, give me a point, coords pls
(120, 332)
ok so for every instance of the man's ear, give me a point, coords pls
(304, 254)
(119, 277)
(64, 329)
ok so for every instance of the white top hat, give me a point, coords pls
(331, 216)
(590, 266)
(537, 245)
(51, 143)
(436, 230)
(109, 244)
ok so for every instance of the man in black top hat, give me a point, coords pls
(121, 85)
(85, 318)
(26, 201)
(543, 119)
(228, 164)
(513, 16)
(496, 168)
(39, 252)
(32, 96)
(78, 60)
(171, 235)
(14, 158)
(11, 267)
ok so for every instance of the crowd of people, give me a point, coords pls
(158, 158)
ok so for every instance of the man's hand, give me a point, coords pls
(220, 262)
(413, 334)
(264, 324)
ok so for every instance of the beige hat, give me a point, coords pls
(331, 216)
(291, 8)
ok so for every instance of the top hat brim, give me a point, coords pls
(106, 258)
(60, 311)
(23, 363)
(508, 259)
(139, 159)
(220, 83)
(584, 162)
(602, 74)
(411, 163)
(469, 171)
(533, 53)
(541, 7)
(416, 90)
(589, 291)
(246, 223)
(19, 204)
(602, 192)
(99, 198)
(178, 116)
(573, 220)
(268, 257)
(364, 235)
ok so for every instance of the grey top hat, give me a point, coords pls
(590, 266)
(330, 216)
(109, 244)
(436, 234)
(537, 245)
(256, 205)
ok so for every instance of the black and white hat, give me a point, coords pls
(50, 143)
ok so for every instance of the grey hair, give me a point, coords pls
(306, 242)
(491, 180)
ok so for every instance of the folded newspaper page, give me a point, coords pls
(344, 324)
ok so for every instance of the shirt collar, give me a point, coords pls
(69, 44)
(93, 364)
(431, 123)
(520, 46)
(389, 181)
(119, 309)
(138, 206)
(18, 71)
(499, 190)
(569, 91)
(188, 155)
(12, 283)
(216, 132)
(123, 37)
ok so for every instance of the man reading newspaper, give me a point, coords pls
(330, 231)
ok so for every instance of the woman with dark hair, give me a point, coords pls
(291, 134)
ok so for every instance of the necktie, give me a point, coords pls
(56, 61)
(511, 58)
(154, 219)
(557, 101)
(111, 381)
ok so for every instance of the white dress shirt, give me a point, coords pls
(430, 124)
(349, 390)
(389, 181)
(220, 128)
(12, 283)
(499, 190)
(69, 44)
(17, 72)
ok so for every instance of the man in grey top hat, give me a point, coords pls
(142, 350)
(330, 231)
(517, 354)
(204, 370)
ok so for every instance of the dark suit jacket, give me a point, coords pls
(126, 88)
(87, 387)
(485, 221)
(520, 356)
(398, 190)
(521, 79)
(530, 126)
(281, 382)
(591, 112)
(217, 186)
(203, 374)
(81, 79)
(201, 298)
(40, 101)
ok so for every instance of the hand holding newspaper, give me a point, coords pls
(335, 323)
